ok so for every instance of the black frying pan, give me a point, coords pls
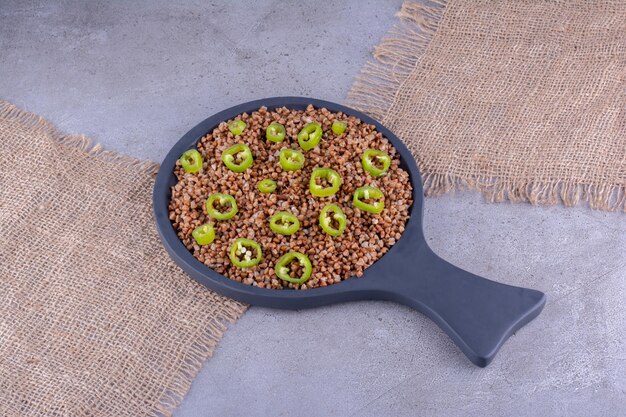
(478, 314)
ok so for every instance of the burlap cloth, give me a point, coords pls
(522, 100)
(94, 317)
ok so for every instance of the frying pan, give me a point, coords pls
(478, 314)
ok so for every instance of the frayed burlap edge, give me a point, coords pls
(198, 355)
(375, 90)
(569, 193)
(202, 348)
(37, 123)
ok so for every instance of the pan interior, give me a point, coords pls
(166, 179)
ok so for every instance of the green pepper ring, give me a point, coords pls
(331, 175)
(228, 157)
(337, 214)
(368, 163)
(223, 199)
(338, 127)
(237, 127)
(267, 186)
(367, 192)
(240, 243)
(277, 223)
(282, 269)
(275, 132)
(204, 234)
(290, 159)
(191, 161)
(310, 136)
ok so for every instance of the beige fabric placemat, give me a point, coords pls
(95, 319)
(524, 100)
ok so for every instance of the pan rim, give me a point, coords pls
(252, 294)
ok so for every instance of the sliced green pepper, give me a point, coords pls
(242, 250)
(226, 201)
(332, 220)
(238, 157)
(290, 159)
(331, 176)
(310, 136)
(237, 127)
(283, 269)
(191, 161)
(369, 193)
(267, 185)
(338, 127)
(275, 132)
(375, 162)
(204, 235)
(284, 223)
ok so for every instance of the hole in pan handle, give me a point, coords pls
(479, 315)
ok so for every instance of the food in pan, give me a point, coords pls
(288, 198)
(324, 182)
(191, 161)
(295, 274)
(338, 127)
(369, 199)
(375, 162)
(204, 234)
(332, 220)
(238, 157)
(267, 185)
(291, 159)
(275, 132)
(245, 253)
(237, 127)
(310, 135)
(221, 206)
(284, 223)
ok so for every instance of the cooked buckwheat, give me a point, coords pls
(367, 236)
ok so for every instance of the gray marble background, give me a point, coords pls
(135, 76)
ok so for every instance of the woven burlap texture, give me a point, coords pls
(522, 100)
(95, 319)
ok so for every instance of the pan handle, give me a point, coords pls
(478, 314)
